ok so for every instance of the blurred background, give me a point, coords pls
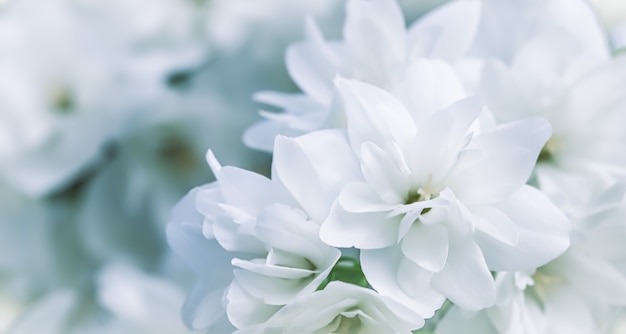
(107, 109)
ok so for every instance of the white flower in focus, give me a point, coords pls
(296, 264)
(340, 308)
(440, 205)
(268, 227)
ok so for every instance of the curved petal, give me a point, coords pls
(375, 33)
(332, 158)
(382, 270)
(373, 115)
(543, 233)
(360, 230)
(428, 86)
(509, 153)
(386, 173)
(427, 246)
(360, 197)
(312, 64)
(495, 223)
(295, 171)
(448, 30)
(465, 279)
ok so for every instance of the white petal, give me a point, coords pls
(295, 171)
(381, 268)
(204, 307)
(506, 25)
(213, 163)
(360, 230)
(388, 177)
(428, 86)
(247, 190)
(465, 279)
(245, 310)
(312, 64)
(186, 240)
(452, 25)
(427, 246)
(361, 197)
(373, 115)
(375, 32)
(260, 136)
(495, 223)
(509, 153)
(502, 94)
(543, 233)
(457, 321)
(583, 271)
(568, 313)
(332, 158)
(435, 148)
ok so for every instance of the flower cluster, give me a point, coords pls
(461, 175)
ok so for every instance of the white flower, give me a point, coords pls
(268, 228)
(340, 308)
(295, 264)
(438, 205)
(376, 48)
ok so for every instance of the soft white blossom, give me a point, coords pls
(440, 205)
(561, 70)
(59, 112)
(579, 292)
(267, 228)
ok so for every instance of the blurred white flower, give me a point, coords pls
(58, 112)
(579, 292)
(376, 48)
(137, 302)
(561, 70)
(440, 205)
(264, 27)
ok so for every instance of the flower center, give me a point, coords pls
(424, 193)
(545, 281)
(548, 151)
(62, 100)
(419, 195)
